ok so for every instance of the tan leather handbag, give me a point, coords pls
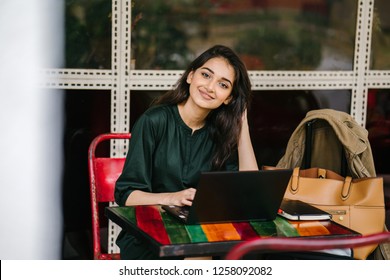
(355, 203)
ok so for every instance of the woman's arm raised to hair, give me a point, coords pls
(246, 154)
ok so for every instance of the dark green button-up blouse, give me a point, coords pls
(164, 156)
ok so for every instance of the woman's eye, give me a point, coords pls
(224, 85)
(206, 75)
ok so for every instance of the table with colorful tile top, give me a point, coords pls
(169, 237)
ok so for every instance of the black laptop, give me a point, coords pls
(235, 196)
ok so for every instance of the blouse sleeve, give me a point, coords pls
(136, 174)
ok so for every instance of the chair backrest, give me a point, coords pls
(288, 244)
(103, 173)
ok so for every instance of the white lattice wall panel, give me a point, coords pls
(361, 60)
(378, 79)
(77, 79)
(153, 80)
(120, 92)
(146, 80)
(290, 80)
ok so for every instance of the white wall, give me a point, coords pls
(31, 131)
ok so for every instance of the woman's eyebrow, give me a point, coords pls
(225, 79)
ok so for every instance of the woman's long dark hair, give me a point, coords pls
(224, 122)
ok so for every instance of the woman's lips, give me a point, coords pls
(205, 95)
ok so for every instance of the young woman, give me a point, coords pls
(200, 125)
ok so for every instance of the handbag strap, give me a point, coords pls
(321, 174)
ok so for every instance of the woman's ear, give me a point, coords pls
(227, 100)
(189, 77)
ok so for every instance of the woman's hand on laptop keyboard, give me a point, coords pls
(181, 198)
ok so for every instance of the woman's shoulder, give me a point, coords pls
(159, 109)
(158, 112)
(157, 119)
(158, 115)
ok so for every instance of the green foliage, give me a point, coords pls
(157, 41)
(278, 50)
(88, 34)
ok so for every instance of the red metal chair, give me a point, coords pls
(288, 244)
(103, 173)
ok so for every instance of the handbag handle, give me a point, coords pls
(295, 180)
(346, 188)
(320, 173)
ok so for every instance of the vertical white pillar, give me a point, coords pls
(31, 35)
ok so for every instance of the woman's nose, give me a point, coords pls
(211, 86)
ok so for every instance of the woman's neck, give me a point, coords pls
(193, 117)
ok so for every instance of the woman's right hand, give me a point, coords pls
(180, 198)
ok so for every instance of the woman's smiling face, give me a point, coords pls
(211, 85)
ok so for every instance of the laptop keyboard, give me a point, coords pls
(180, 212)
(184, 210)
